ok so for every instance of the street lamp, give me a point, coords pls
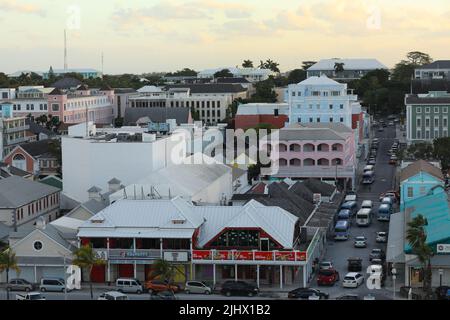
(441, 273)
(394, 276)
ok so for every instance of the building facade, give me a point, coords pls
(323, 151)
(436, 70)
(86, 73)
(253, 114)
(122, 101)
(427, 116)
(251, 74)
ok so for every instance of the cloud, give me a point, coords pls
(16, 6)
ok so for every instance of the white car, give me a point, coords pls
(353, 280)
(326, 265)
(360, 242)
(113, 295)
(381, 237)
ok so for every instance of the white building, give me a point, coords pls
(353, 68)
(122, 101)
(7, 93)
(320, 100)
(251, 74)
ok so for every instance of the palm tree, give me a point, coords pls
(8, 262)
(86, 258)
(247, 64)
(339, 67)
(417, 238)
(164, 270)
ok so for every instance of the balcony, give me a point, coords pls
(143, 254)
(16, 141)
(17, 129)
(249, 257)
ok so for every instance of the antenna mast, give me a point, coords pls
(65, 51)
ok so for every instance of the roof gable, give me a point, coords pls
(420, 166)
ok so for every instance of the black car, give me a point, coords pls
(443, 292)
(163, 295)
(377, 254)
(354, 264)
(239, 288)
(305, 293)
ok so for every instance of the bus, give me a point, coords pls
(368, 177)
(384, 212)
(363, 218)
(342, 230)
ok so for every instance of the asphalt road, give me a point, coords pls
(339, 252)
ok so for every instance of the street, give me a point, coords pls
(339, 252)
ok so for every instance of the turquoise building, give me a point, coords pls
(417, 179)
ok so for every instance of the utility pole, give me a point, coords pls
(65, 51)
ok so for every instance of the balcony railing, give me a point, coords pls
(143, 254)
(236, 255)
(310, 171)
(17, 129)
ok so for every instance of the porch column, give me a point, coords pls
(161, 247)
(214, 274)
(235, 273)
(192, 271)
(257, 275)
(134, 244)
(281, 277)
(304, 276)
(35, 274)
(135, 269)
(109, 264)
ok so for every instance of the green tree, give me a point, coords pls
(225, 73)
(86, 258)
(195, 114)
(247, 64)
(296, 76)
(339, 67)
(8, 261)
(308, 64)
(417, 238)
(163, 270)
(441, 151)
(270, 65)
(185, 72)
(404, 70)
(265, 92)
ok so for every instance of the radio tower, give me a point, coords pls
(65, 51)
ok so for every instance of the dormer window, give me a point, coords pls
(178, 221)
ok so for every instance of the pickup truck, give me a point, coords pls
(30, 296)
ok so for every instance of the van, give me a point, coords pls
(387, 200)
(350, 205)
(52, 284)
(129, 285)
(342, 230)
(367, 204)
(368, 168)
(384, 212)
(368, 177)
(350, 197)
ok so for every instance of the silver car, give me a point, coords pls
(19, 285)
(197, 287)
(381, 237)
(360, 242)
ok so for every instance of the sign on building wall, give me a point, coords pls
(443, 248)
(176, 256)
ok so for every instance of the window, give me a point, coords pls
(419, 134)
(293, 93)
(444, 122)
(436, 133)
(445, 109)
(318, 120)
(418, 122)
(318, 107)
(342, 119)
(55, 107)
(335, 93)
(331, 119)
(331, 107)
(419, 110)
(299, 120)
(427, 122)
(299, 93)
(436, 110)
(315, 93)
(341, 106)
(427, 110)
(410, 192)
(436, 122)
(311, 120)
(37, 245)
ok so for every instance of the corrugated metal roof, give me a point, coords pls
(421, 166)
(349, 64)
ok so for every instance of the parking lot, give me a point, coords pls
(339, 252)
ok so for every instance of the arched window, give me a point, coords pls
(282, 162)
(337, 162)
(323, 162)
(323, 147)
(19, 161)
(295, 162)
(295, 147)
(309, 162)
(309, 147)
(338, 147)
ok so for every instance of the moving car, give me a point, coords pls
(129, 285)
(163, 295)
(381, 237)
(377, 254)
(387, 200)
(350, 197)
(113, 295)
(368, 177)
(30, 296)
(353, 280)
(349, 297)
(159, 286)
(345, 214)
(350, 205)
(197, 287)
(360, 242)
(354, 264)
(368, 168)
(394, 195)
(327, 277)
(305, 293)
(19, 285)
(372, 161)
(239, 288)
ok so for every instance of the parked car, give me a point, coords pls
(393, 160)
(360, 242)
(377, 254)
(326, 265)
(381, 237)
(52, 284)
(367, 204)
(354, 264)
(394, 195)
(353, 280)
(327, 277)
(163, 295)
(197, 287)
(350, 205)
(372, 161)
(349, 297)
(387, 200)
(30, 296)
(443, 293)
(129, 285)
(305, 293)
(239, 288)
(113, 295)
(19, 285)
(159, 286)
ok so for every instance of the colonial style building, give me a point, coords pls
(439, 69)
(427, 116)
(352, 69)
(253, 114)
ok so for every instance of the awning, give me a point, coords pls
(396, 240)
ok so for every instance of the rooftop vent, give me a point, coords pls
(178, 221)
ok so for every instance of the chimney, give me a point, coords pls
(40, 223)
(114, 185)
(94, 193)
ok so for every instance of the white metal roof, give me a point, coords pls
(349, 64)
(262, 108)
(323, 80)
(67, 223)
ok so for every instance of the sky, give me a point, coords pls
(140, 36)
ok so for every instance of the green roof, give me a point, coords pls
(52, 181)
(434, 207)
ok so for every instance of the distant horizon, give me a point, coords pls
(157, 36)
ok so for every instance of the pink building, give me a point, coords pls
(315, 150)
(74, 107)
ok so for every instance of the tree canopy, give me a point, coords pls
(247, 64)
(225, 73)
